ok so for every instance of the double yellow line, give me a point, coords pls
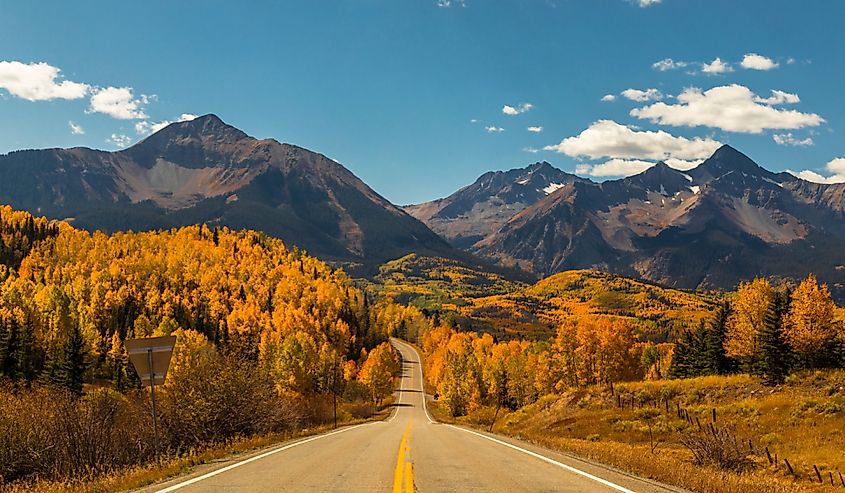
(404, 470)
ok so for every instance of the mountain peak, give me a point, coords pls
(659, 178)
(194, 143)
(540, 165)
(727, 159)
(206, 125)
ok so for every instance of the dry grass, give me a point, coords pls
(802, 421)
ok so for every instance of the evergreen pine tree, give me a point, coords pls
(717, 362)
(775, 354)
(118, 360)
(8, 349)
(698, 358)
(680, 358)
(67, 369)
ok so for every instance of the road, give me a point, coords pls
(407, 452)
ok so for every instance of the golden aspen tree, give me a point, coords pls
(378, 370)
(810, 325)
(564, 359)
(616, 359)
(747, 319)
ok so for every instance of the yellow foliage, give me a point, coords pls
(747, 318)
(240, 290)
(810, 324)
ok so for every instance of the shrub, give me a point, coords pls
(52, 433)
(717, 447)
(219, 398)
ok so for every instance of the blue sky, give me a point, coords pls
(419, 97)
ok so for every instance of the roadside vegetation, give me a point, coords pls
(799, 421)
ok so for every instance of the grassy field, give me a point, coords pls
(802, 421)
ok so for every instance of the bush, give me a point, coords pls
(717, 447)
(219, 398)
(52, 433)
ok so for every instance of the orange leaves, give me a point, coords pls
(378, 370)
(810, 324)
(240, 290)
(593, 351)
(747, 318)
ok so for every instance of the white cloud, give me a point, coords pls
(668, 64)
(682, 164)
(75, 129)
(732, 108)
(628, 167)
(445, 4)
(535, 130)
(38, 82)
(118, 102)
(119, 141)
(614, 167)
(753, 61)
(516, 110)
(147, 127)
(474, 120)
(494, 130)
(717, 66)
(641, 96)
(778, 97)
(835, 166)
(647, 3)
(606, 138)
(608, 98)
(788, 139)
(530, 150)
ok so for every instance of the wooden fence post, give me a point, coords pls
(788, 466)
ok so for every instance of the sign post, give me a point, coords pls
(151, 359)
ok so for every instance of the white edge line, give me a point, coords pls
(257, 457)
(550, 461)
(422, 380)
(398, 401)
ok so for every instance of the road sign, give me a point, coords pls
(151, 358)
(140, 351)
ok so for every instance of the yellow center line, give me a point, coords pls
(409, 478)
(403, 469)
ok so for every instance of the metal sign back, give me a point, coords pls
(160, 348)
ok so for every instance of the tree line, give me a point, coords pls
(760, 329)
(765, 330)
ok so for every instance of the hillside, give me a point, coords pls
(481, 301)
(436, 283)
(535, 311)
(207, 172)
